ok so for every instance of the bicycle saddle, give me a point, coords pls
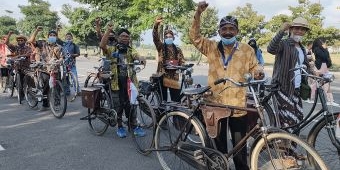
(34, 65)
(195, 91)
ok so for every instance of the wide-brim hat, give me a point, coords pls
(21, 37)
(300, 22)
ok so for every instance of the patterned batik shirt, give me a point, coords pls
(22, 50)
(171, 55)
(243, 61)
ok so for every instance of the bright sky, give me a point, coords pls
(268, 8)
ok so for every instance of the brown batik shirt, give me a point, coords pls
(162, 57)
(23, 51)
(243, 61)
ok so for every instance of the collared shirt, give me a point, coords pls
(243, 61)
(22, 50)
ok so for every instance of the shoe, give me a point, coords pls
(138, 131)
(121, 132)
(310, 101)
(333, 104)
(79, 94)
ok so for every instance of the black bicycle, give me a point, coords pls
(15, 72)
(322, 135)
(35, 84)
(272, 148)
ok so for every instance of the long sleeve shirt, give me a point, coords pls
(243, 61)
(171, 55)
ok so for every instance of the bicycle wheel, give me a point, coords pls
(72, 84)
(168, 131)
(91, 80)
(322, 136)
(30, 91)
(154, 99)
(269, 115)
(11, 85)
(98, 120)
(147, 120)
(18, 86)
(284, 151)
(57, 98)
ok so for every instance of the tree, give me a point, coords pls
(7, 24)
(81, 20)
(208, 24)
(250, 23)
(139, 15)
(37, 13)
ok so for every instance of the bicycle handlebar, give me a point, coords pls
(328, 77)
(248, 77)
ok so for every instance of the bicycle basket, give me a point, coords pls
(145, 87)
(91, 97)
(105, 64)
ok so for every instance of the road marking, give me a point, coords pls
(1, 148)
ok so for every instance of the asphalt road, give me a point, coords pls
(35, 140)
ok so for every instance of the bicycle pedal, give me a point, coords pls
(198, 154)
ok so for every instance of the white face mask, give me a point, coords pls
(296, 38)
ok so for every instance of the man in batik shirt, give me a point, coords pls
(232, 59)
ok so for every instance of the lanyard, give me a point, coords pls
(225, 62)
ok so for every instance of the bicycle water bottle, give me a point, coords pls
(337, 128)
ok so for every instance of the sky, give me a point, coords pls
(268, 8)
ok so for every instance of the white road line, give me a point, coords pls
(1, 148)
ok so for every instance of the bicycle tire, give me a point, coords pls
(30, 95)
(325, 147)
(11, 85)
(269, 115)
(87, 80)
(18, 86)
(72, 84)
(147, 120)
(291, 157)
(102, 117)
(198, 129)
(57, 97)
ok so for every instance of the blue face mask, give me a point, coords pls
(52, 39)
(229, 41)
(169, 41)
(68, 41)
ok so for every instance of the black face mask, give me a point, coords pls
(112, 39)
(122, 48)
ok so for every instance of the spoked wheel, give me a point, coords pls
(18, 86)
(284, 151)
(72, 87)
(98, 120)
(168, 131)
(147, 120)
(58, 101)
(30, 91)
(322, 137)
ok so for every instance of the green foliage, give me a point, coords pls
(249, 21)
(81, 20)
(7, 24)
(208, 29)
(37, 13)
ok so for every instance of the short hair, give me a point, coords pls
(120, 31)
(69, 34)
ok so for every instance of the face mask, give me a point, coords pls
(169, 41)
(296, 38)
(229, 41)
(21, 44)
(52, 39)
